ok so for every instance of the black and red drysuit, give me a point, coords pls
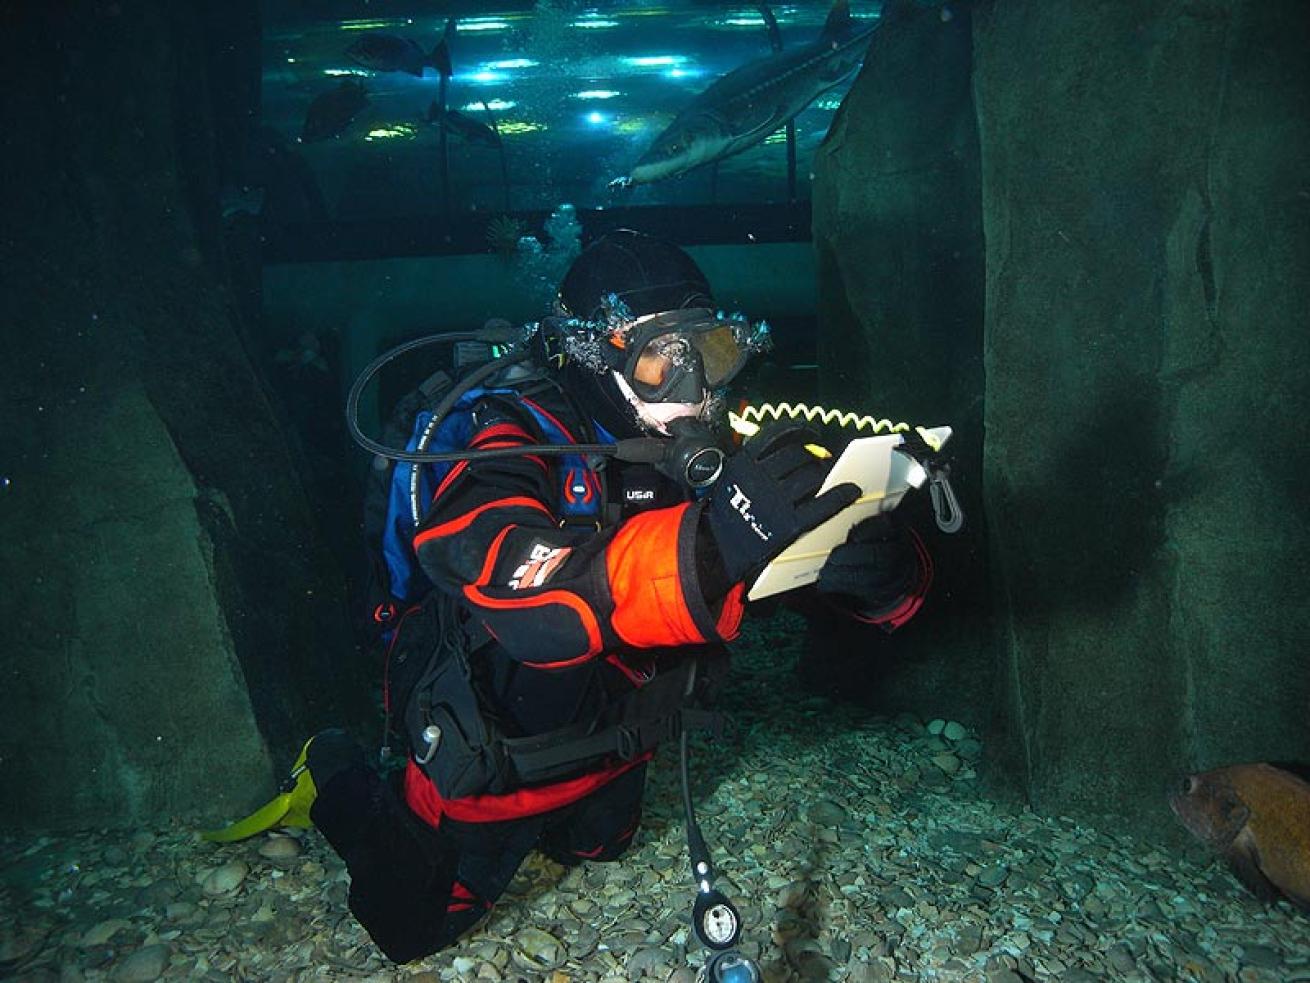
(577, 615)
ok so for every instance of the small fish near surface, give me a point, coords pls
(1257, 817)
(330, 113)
(390, 53)
(741, 109)
(465, 126)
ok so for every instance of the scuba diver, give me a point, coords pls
(574, 606)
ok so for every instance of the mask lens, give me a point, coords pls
(720, 354)
(659, 360)
(678, 355)
(653, 365)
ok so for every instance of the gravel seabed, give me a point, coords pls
(857, 848)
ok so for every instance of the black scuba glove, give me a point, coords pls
(874, 568)
(765, 498)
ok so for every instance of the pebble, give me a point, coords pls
(992, 876)
(1262, 956)
(825, 812)
(157, 894)
(280, 849)
(143, 966)
(102, 932)
(935, 727)
(969, 940)
(969, 749)
(537, 950)
(18, 942)
(1078, 885)
(463, 965)
(954, 731)
(849, 853)
(649, 961)
(793, 895)
(226, 879)
(947, 762)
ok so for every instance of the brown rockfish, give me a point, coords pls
(1258, 819)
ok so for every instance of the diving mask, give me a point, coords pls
(678, 356)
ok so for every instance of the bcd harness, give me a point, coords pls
(431, 682)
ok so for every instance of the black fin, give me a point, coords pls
(839, 18)
(440, 57)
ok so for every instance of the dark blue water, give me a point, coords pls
(576, 92)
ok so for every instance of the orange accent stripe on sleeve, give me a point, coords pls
(468, 518)
(734, 607)
(650, 608)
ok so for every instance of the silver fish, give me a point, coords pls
(466, 126)
(390, 53)
(746, 105)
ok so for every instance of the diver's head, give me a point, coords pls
(643, 341)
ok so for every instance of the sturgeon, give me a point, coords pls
(743, 107)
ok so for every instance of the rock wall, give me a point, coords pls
(1140, 184)
(1148, 253)
(898, 234)
(169, 627)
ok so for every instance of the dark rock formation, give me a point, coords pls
(898, 232)
(1148, 244)
(1147, 226)
(169, 627)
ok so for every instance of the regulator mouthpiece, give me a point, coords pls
(693, 456)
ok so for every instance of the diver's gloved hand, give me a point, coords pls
(875, 568)
(331, 752)
(765, 498)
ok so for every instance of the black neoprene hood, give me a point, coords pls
(649, 275)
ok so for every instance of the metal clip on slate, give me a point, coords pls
(945, 506)
(946, 511)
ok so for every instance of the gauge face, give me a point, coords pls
(720, 924)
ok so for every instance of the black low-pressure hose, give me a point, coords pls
(697, 850)
(643, 449)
